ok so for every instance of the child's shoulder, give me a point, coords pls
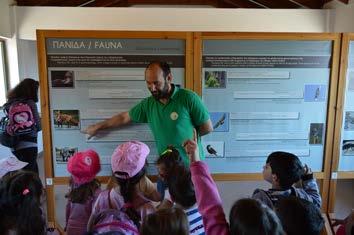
(264, 196)
(259, 191)
(102, 198)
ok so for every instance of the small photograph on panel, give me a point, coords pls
(66, 119)
(351, 81)
(315, 93)
(349, 121)
(215, 79)
(62, 155)
(348, 147)
(316, 133)
(62, 79)
(213, 148)
(220, 121)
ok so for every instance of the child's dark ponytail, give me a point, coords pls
(22, 213)
(30, 217)
(172, 161)
(127, 190)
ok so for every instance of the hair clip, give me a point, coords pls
(25, 191)
(166, 151)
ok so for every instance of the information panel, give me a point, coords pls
(92, 79)
(346, 160)
(265, 96)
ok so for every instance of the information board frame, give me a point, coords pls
(42, 35)
(325, 174)
(336, 173)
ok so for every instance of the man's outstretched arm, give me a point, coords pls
(117, 120)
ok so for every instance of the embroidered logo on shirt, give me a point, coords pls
(174, 116)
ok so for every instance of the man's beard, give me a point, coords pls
(161, 94)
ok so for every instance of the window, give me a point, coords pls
(3, 83)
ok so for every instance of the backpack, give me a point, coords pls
(6, 139)
(18, 122)
(110, 219)
(20, 119)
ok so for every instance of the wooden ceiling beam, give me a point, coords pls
(244, 3)
(59, 3)
(128, 3)
(313, 4)
(275, 4)
(278, 4)
(343, 1)
(71, 3)
(106, 3)
(31, 2)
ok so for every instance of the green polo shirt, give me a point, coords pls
(172, 123)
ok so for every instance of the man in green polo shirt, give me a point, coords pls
(171, 112)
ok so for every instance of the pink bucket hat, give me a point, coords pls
(84, 166)
(130, 158)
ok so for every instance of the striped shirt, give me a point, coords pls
(196, 226)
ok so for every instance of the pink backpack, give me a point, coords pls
(20, 119)
(110, 219)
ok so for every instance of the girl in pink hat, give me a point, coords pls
(84, 190)
(128, 167)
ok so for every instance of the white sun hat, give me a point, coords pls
(10, 164)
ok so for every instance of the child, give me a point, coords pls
(26, 148)
(20, 206)
(283, 170)
(182, 193)
(128, 161)
(247, 216)
(84, 189)
(171, 221)
(166, 164)
(299, 216)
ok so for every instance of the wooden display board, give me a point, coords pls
(192, 80)
(339, 173)
(94, 61)
(212, 41)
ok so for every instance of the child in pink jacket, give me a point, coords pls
(84, 189)
(247, 216)
(128, 168)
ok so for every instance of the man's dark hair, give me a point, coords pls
(181, 187)
(299, 216)
(287, 167)
(164, 66)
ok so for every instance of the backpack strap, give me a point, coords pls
(110, 205)
(270, 197)
(293, 191)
